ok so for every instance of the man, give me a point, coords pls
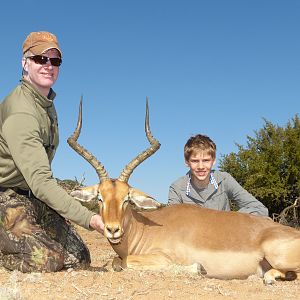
(35, 234)
(209, 188)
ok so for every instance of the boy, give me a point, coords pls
(209, 188)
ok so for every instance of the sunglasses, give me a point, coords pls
(42, 60)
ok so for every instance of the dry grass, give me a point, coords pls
(99, 281)
(289, 216)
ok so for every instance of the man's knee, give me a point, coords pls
(38, 261)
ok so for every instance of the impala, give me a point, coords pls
(151, 236)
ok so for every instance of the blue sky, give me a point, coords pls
(214, 67)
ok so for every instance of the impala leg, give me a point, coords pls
(271, 276)
(154, 262)
(145, 262)
(283, 256)
(117, 264)
(195, 268)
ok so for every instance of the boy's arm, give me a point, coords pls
(245, 202)
(174, 195)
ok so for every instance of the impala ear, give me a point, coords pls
(142, 201)
(85, 194)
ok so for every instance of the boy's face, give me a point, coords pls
(200, 164)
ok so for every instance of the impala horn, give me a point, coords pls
(155, 145)
(72, 141)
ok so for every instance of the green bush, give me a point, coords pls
(269, 165)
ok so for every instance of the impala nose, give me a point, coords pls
(113, 229)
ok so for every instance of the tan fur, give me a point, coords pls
(220, 244)
(224, 245)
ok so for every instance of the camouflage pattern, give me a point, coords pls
(34, 238)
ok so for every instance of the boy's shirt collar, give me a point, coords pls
(212, 181)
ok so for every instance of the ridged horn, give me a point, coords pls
(72, 141)
(155, 145)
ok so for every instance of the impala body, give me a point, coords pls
(147, 235)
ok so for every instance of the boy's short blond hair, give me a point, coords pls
(199, 142)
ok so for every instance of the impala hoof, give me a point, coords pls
(117, 264)
(201, 270)
(269, 281)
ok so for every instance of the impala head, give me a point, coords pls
(115, 195)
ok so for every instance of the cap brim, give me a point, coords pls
(40, 49)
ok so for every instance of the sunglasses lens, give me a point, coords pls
(56, 61)
(42, 60)
(38, 59)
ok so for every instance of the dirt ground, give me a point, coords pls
(99, 281)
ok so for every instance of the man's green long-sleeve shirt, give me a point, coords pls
(28, 126)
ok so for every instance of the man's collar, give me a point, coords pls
(44, 101)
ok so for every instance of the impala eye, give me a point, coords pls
(126, 200)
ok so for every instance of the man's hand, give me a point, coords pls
(97, 223)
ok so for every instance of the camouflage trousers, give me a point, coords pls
(34, 238)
